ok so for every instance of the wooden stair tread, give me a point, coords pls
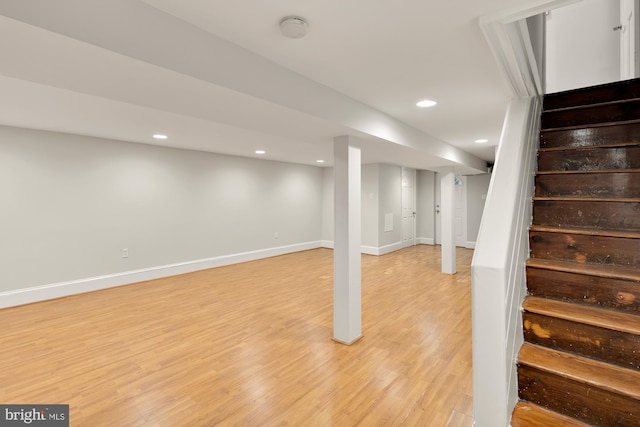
(599, 317)
(591, 125)
(595, 104)
(588, 147)
(587, 199)
(606, 271)
(561, 172)
(603, 375)
(601, 93)
(526, 414)
(586, 231)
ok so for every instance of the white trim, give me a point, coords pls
(326, 244)
(390, 248)
(511, 45)
(519, 11)
(498, 266)
(370, 250)
(470, 245)
(62, 289)
(425, 241)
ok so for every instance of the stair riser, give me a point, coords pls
(591, 115)
(622, 295)
(590, 137)
(604, 93)
(583, 402)
(585, 249)
(589, 215)
(619, 348)
(590, 159)
(604, 185)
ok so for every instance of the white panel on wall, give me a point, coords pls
(388, 222)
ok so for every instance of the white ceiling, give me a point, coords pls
(218, 76)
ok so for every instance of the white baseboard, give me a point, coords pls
(370, 250)
(389, 248)
(425, 241)
(57, 290)
(326, 244)
(470, 245)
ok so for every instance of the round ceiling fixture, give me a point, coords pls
(293, 27)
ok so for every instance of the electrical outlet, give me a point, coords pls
(275, 235)
(125, 253)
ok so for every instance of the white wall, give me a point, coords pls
(390, 182)
(536, 27)
(426, 182)
(70, 204)
(381, 194)
(370, 199)
(582, 49)
(327, 207)
(477, 189)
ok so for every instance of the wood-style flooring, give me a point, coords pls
(250, 345)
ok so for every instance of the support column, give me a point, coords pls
(347, 307)
(447, 233)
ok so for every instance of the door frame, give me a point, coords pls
(629, 57)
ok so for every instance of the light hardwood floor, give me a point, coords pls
(250, 345)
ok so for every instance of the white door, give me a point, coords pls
(628, 39)
(408, 207)
(460, 211)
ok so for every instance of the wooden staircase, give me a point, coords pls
(580, 364)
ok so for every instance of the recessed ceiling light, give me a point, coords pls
(426, 103)
(319, 161)
(160, 136)
(260, 152)
(481, 141)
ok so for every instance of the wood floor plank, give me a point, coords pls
(250, 344)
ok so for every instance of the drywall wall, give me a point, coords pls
(426, 221)
(536, 27)
(390, 180)
(477, 189)
(581, 47)
(370, 216)
(327, 207)
(70, 204)
(381, 194)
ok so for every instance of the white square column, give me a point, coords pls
(447, 232)
(347, 295)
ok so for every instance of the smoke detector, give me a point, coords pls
(293, 27)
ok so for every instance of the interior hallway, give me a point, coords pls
(250, 344)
